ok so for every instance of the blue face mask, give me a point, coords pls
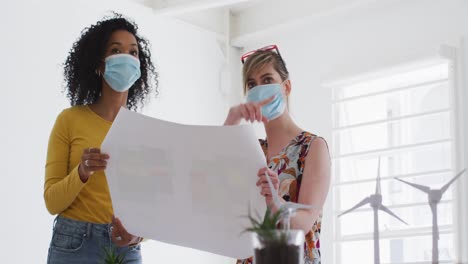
(122, 71)
(273, 109)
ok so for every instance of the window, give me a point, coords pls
(405, 116)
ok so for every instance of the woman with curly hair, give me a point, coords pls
(108, 67)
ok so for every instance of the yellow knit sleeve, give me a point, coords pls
(61, 187)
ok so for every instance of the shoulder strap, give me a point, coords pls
(305, 142)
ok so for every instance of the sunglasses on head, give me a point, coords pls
(267, 48)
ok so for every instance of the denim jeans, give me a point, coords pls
(82, 242)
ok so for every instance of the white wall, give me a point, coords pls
(36, 37)
(463, 163)
(382, 35)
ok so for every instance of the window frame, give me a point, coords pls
(447, 55)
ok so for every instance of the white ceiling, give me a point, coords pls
(239, 6)
(239, 21)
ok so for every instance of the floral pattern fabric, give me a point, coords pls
(289, 164)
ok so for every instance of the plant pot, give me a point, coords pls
(279, 247)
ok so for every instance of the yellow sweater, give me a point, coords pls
(76, 129)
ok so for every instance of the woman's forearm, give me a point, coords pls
(304, 220)
(59, 192)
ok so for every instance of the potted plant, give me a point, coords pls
(112, 257)
(273, 245)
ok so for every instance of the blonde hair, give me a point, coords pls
(260, 59)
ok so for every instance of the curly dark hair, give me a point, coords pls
(83, 85)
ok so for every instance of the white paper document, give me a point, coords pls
(185, 185)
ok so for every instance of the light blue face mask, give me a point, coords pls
(273, 109)
(122, 71)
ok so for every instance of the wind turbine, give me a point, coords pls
(375, 201)
(434, 196)
(289, 208)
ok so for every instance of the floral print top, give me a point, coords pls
(289, 164)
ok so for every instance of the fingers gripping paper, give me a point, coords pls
(184, 185)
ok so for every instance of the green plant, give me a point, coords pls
(112, 257)
(273, 245)
(267, 230)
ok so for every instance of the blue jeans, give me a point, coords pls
(82, 242)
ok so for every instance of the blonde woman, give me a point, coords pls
(298, 161)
